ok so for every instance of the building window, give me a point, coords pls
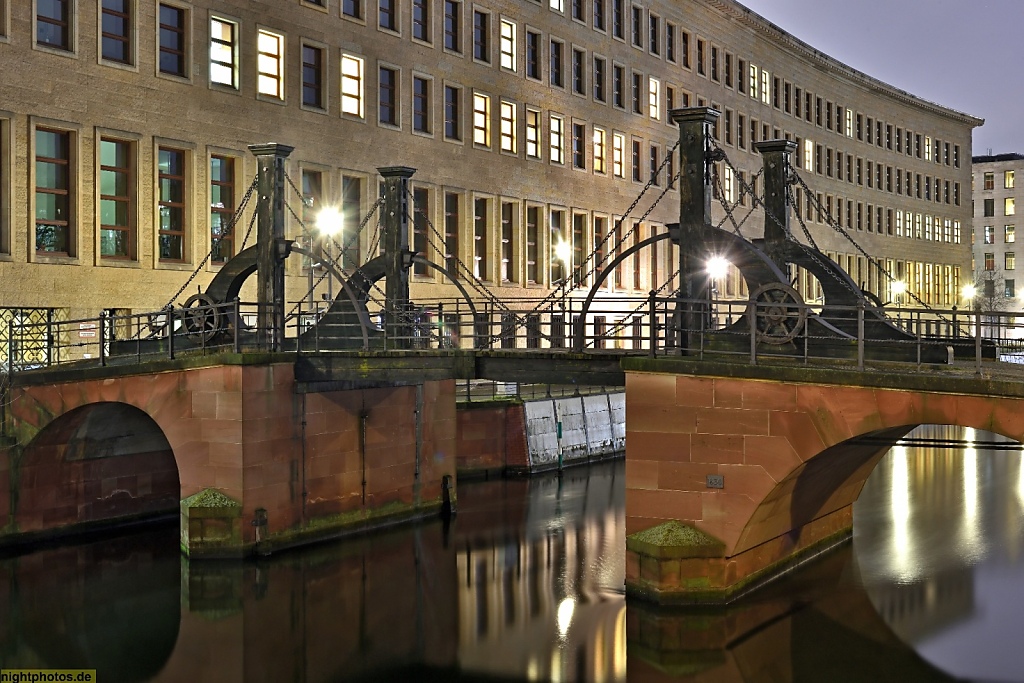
(421, 20)
(618, 19)
(508, 127)
(452, 29)
(352, 86)
(270, 64)
(387, 86)
(556, 238)
(990, 261)
(53, 24)
(556, 63)
(638, 81)
(451, 231)
(636, 26)
(989, 207)
(655, 165)
(1009, 206)
(557, 151)
(481, 228)
(116, 205)
(989, 180)
(508, 45)
(599, 78)
(222, 207)
(533, 134)
(638, 173)
(508, 223)
(619, 155)
(579, 150)
(388, 14)
(1009, 261)
(1008, 234)
(599, 15)
(579, 77)
(420, 226)
(421, 104)
(700, 57)
(1009, 290)
(352, 8)
(600, 145)
(809, 156)
(173, 43)
(532, 236)
(116, 25)
(53, 173)
(670, 42)
(482, 36)
(533, 55)
(452, 124)
(556, 5)
(654, 98)
(481, 120)
(618, 76)
(655, 35)
(223, 52)
(312, 76)
(172, 204)
(577, 10)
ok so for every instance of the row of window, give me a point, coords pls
(711, 61)
(988, 207)
(989, 234)
(989, 180)
(1009, 261)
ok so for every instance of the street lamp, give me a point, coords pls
(563, 252)
(717, 268)
(329, 223)
(968, 292)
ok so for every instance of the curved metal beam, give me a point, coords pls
(465, 294)
(359, 307)
(580, 327)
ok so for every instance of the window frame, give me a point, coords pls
(279, 60)
(188, 218)
(396, 95)
(131, 40)
(236, 172)
(428, 114)
(186, 41)
(72, 191)
(234, 46)
(70, 47)
(324, 70)
(343, 97)
(131, 199)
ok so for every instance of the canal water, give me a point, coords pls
(526, 584)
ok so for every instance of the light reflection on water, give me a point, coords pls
(527, 584)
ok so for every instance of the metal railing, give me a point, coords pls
(726, 329)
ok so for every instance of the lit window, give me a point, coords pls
(654, 97)
(766, 80)
(557, 154)
(1009, 261)
(927, 148)
(619, 155)
(116, 23)
(352, 85)
(481, 120)
(533, 133)
(1008, 234)
(508, 45)
(508, 127)
(808, 155)
(989, 180)
(270, 72)
(990, 261)
(557, 5)
(116, 221)
(849, 123)
(989, 234)
(1009, 206)
(1008, 180)
(753, 81)
(600, 143)
(728, 185)
(223, 46)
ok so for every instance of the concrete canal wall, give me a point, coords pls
(515, 436)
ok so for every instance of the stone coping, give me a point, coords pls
(674, 540)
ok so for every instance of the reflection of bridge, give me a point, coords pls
(284, 428)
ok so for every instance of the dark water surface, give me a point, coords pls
(527, 584)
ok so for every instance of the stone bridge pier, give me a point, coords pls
(251, 458)
(736, 473)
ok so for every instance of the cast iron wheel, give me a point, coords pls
(780, 313)
(200, 317)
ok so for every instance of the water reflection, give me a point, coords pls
(527, 584)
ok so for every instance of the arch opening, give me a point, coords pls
(104, 463)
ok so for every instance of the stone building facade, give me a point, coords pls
(124, 126)
(994, 242)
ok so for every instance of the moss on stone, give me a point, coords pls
(674, 539)
(209, 498)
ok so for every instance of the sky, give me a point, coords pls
(962, 54)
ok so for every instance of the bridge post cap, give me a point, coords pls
(396, 171)
(694, 114)
(769, 146)
(674, 540)
(271, 149)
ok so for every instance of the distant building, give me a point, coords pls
(994, 242)
(124, 125)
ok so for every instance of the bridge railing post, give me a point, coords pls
(752, 317)
(860, 334)
(170, 332)
(652, 331)
(103, 337)
(235, 344)
(977, 339)
(10, 348)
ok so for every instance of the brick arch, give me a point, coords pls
(820, 438)
(101, 462)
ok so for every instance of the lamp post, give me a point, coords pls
(329, 223)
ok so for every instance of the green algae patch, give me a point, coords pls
(209, 498)
(675, 540)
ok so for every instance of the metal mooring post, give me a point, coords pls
(271, 248)
(397, 258)
(694, 208)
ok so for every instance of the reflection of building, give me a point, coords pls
(917, 610)
(534, 125)
(546, 604)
